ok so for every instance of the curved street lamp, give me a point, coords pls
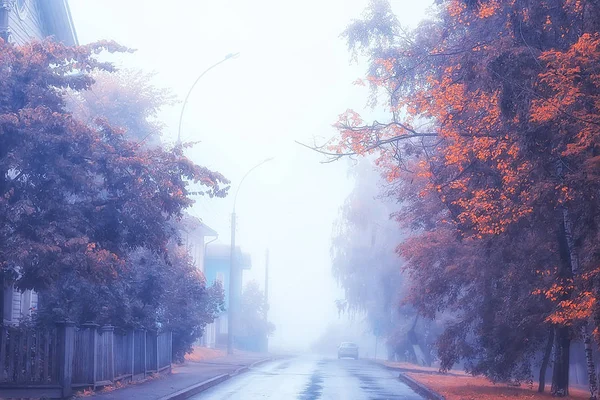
(227, 57)
(244, 178)
(232, 268)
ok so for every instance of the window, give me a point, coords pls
(26, 303)
(8, 300)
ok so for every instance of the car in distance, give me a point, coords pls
(348, 349)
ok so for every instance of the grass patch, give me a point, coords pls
(457, 385)
(203, 353)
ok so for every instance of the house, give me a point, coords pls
(21, 21)
(193, 235)
(216, 269)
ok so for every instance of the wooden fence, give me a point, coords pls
(52, 363)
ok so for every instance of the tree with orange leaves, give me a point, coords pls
(77, 197)
(494, 106)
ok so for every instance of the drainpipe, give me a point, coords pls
(209, 242)
(204, 255)
(5, 6)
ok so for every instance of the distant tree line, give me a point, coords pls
(253, 327)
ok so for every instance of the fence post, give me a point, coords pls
(157, 352)
(3, 340)
(152, 343)
(109, 331)
(131, 343)
(66, 345)
(143, 347)
(91, 341)
(170, 350)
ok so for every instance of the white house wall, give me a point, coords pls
(16, 306)
(27, 24)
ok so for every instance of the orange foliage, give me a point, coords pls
(573, 93)
(494, 124)
(203, 353)
(457, 385)
(469, 121)
(478, 388)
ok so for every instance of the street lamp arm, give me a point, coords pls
(242, 181)
(227, 57)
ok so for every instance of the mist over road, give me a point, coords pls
(311, 378)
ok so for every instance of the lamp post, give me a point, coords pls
(227, 57)
(266, 349)
(233, 272)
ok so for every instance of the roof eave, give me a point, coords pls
(59, 21)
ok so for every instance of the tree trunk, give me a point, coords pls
(545, 361)
(2, 289)
(568, 225)
(560, 374)
(562, 339)
(591, 367)
(574, 261)
(391, 352)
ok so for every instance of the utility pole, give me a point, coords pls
(267, 297)
(266, 283)
(234, 272)
(232, 287)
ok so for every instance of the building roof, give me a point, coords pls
(194, 226)
(59, 22)
(207, 230)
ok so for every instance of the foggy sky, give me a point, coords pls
(292, 79)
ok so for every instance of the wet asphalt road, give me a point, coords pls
(312, 378)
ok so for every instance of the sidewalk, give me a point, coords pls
(185, 379)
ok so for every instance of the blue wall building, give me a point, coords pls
(216, 268)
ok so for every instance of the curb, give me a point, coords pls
(202, 386)
(419, 388)
(256, 363)
(197, 388)
(247, 367)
